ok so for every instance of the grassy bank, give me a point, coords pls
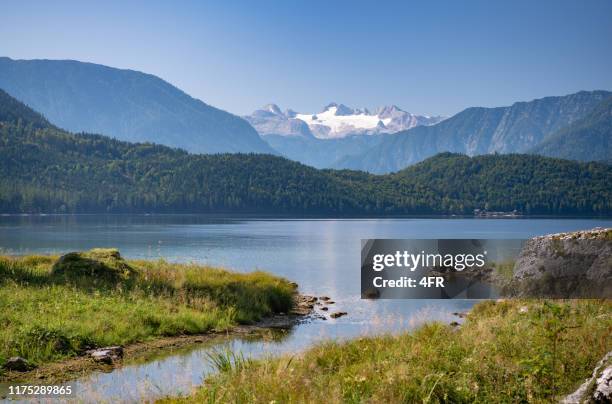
(511, 351)
(52, 309)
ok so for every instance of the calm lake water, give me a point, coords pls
(321, 255)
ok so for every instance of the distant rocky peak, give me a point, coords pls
(329, 106)
(273, 108)
(340, 109)
(362, 111)
(389, 111)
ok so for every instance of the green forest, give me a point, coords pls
(44, 169)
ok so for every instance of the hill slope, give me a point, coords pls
(125, 104)
(45, 169)
(321, 153)
(587, 139)
(514, 129)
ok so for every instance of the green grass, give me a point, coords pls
(506, 352)
(50, 311)
(225, 360)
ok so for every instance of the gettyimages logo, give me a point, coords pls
(413, 261)
(423, 269)
(433, 264)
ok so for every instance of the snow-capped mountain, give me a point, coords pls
(270, 120)
(335, 121)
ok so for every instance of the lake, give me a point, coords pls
(321, 255)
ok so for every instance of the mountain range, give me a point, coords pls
(519, 128)
(335, 121)
(125, 104)
(322, 139)
(46, 169)
(139, 107)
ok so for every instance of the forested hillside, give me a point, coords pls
(45, 169)
(531, 184)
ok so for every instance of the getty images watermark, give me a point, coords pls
(480, 269)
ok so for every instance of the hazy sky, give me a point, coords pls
(426, 57)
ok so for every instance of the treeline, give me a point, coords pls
(46, 170)
(528, 183)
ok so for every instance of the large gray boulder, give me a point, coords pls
(565, 265)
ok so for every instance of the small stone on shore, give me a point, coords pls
(303, 305)
(17, 364)
(371, 293)
(107, 355)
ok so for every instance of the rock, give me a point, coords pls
(330, 302)
(603, 387)
(307, 299)
(324, 298)
(338, 314)
(454, 324)
(107, 355)
(371, 293)
(303, 305)
(102, 356)
(460, 314)
(324, 308)
(596, 389)
(564, 265)
(17, 364)
(523, 309)
(99, 263)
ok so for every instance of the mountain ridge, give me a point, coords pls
(478, 130)
(587, 139)
(126, 104)
(335, 121)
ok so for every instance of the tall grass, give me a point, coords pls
(225, 360)
(506, 352)
(48, 314)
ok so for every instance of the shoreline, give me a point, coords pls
(498, 340)
(313, 216)
(78, 366)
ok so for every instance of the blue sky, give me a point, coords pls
(433, 57)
